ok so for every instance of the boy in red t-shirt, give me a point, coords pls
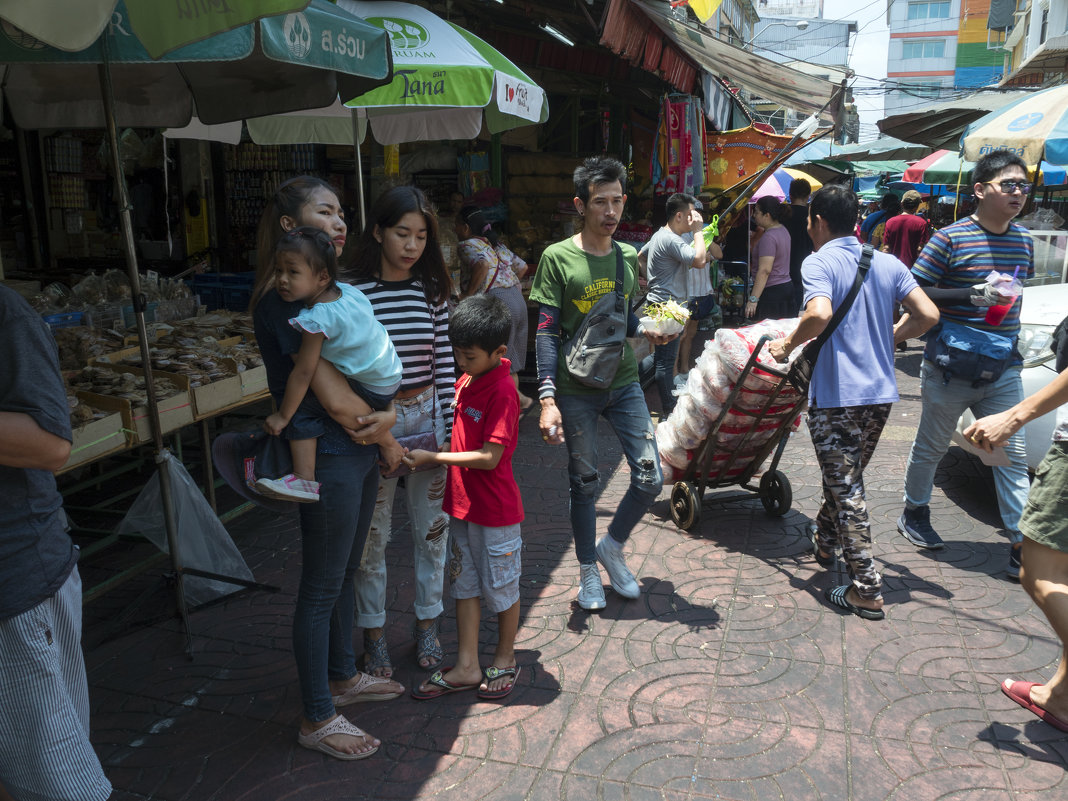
(482, 499)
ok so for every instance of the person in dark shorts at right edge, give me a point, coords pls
(952, 268)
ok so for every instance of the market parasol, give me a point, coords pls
(263, 67)
(945, 168)
(160, 27)
(1035, 127)
(778, 184)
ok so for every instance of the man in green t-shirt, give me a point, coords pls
(572, 275)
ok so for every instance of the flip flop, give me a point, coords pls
(339, 725)
(358, 692)
(837, 596)
(442, 687)
(1020, 692)
(822, 561)
(493, 673)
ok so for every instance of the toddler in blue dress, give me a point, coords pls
(338, 325)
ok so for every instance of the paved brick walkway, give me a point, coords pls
(729, 679)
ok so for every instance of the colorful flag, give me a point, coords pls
(704, 9)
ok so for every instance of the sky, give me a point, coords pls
(867, 57)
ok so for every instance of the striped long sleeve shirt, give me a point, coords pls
(419, 331)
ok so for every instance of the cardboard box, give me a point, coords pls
(209, 398)
(174, 412)
(100, 437)
(253, 381)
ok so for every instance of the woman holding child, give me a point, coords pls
(401, 271)
(334, 528)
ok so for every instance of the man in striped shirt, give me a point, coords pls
(953, 269)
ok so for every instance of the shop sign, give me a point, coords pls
(516, 97)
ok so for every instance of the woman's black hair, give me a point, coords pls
(773, 207)
(388, 210)
(474, 219)
(287, 201)
(315, 245)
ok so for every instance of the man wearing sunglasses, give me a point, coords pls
(952, 268)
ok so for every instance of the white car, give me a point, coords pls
(1043, 308)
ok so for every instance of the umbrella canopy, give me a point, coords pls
(160, 27)
(257, 69)
(945, 168)
(1033, 127)
(446, 80)
(778, 184)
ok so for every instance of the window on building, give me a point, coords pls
(918, 87)
(923, 48)
(1043, 28)
(929, 9)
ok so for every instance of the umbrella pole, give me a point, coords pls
(138, 299)
(357, 161)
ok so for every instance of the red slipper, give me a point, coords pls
(1020, 692)
(491, 673)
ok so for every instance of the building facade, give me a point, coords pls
(939, 50)
(1035, 40)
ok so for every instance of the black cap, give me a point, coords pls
(243, 456)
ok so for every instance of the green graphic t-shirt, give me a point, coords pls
(573, 280)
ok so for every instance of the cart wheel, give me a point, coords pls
(685, 505)
(775, 493)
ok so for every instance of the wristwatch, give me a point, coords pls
(754, 299)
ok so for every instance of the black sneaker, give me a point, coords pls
(1013, 570)
(915, 526)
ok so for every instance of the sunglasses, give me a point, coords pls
(1008, 187)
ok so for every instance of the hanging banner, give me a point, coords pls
(734, 155)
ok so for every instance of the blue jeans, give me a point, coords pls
(943, 404)
(626, 412)
(427, 524)
(661, 363)
(332, 534)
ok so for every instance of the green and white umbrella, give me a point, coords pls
(446, 82)
(277, 64)
(159, 26)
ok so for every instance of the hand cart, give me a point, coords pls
(717, 463)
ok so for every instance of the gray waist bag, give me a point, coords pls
(594, 353)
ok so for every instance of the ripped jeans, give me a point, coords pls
(626, 412)
(429, 526)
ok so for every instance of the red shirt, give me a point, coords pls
(904, 235)
(487, 410)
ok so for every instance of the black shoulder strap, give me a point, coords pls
(620, 299)
(862, 273)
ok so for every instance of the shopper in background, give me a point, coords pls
(333, 531)
(497, 270)
(401, 271)
(800, 242)
(45, 751)
(873, 218)
(907, 233)
(669, 258)
(772, 292)
(892, 207)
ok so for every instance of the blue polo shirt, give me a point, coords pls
(856, 365)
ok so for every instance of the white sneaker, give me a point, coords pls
(591, 591)
(289, 488)
(610, 555)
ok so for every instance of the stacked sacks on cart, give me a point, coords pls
(710, 387)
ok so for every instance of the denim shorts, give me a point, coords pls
(484, 562)
(1045, 518)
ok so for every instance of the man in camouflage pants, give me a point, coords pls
(853, 383)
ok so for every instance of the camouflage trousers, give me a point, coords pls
(845, 439)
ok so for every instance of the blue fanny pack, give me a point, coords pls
(968, 354)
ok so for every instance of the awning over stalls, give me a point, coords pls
(882, 167)
(771, 81)
(940, 125)
(1051, 56)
